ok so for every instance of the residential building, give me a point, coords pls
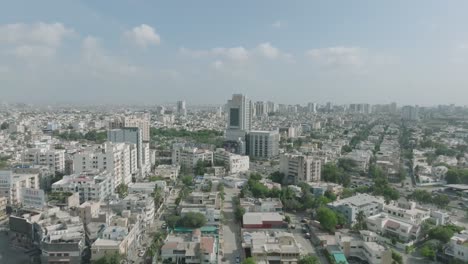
(139, 120)
(141, 204)
(12, 185)
(300, 168)
(261, 204)
(146, 187)
(364, 246)
(133, 135)
(350, 207)
(458, 246)
(263, 220)
(190, 248)
(63, 238)
(3, 204)
(233, 162)
(113, 157)
(168, 172)
(263, 144)
(271, 247)
(361, 158)
(92, 186)
(188, 157)
(53, 158)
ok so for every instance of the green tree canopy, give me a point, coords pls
(327, 218)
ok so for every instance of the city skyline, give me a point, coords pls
(83, 52)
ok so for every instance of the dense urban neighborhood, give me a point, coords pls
(243, 182)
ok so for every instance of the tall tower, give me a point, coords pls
(181, 108)
(239, 110)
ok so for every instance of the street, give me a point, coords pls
(231, 241)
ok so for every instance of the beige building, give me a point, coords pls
(300, 168)
(271, 247)
(12, 185)
(3, 204)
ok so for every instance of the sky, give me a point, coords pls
(151, 52)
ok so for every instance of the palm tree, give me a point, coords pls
(361, 221)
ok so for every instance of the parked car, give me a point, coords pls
(307, 235)
(237, 259)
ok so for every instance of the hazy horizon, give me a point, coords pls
(150, 52)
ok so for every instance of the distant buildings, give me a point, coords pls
(300, 168)
(360, 108)
(410, 113)
(181, 108)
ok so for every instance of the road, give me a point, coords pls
(231, 229)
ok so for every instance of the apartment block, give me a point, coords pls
(300, 168)
(233, 162)
(53, 158)
(12, 185)
(350, 207)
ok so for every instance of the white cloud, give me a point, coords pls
(268, 51)
(30, 51)
(277, 24)
(338, 56)
(94, 58)
(34, 34)
(217, 64)
(143, 36)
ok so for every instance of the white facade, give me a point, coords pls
(181, 108)
(235, 163)
(350, 207)
(133, 135)
(458, 246)
(300, 168)
(364, 246)
(112, 157)
(188, 157)
(12, 185)
(53, 158)
(90, 186)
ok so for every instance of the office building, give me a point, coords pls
(263, 144)
(300, 168)
(181, 108)
(312, 107)
(140, 120)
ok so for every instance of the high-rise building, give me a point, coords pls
(261, 108)
(300, 168)
(140, 120)
(239, 110)
(132, 135)
(263, 144)
(312, 107)
(410, 113)
(181, 108)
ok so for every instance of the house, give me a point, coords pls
(189, 248)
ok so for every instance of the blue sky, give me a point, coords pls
(411, 52)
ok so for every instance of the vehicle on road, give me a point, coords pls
(237, 259)
(307, 235)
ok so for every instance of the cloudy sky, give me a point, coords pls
(411, 52)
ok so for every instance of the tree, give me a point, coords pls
(200, 168)
(441, 200)
(360, 221)
(346, 149)
(441, 233)
(330, 195)
(308, 260)
(327, 218)
(277, 177)
(428, 252)
(187, 180)
(287, 219)
(255, 177)
(172, 220)
(122, 190)
(4, 126)
(192, 220)
(397, 258)
(111, 259)
(248, 261)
